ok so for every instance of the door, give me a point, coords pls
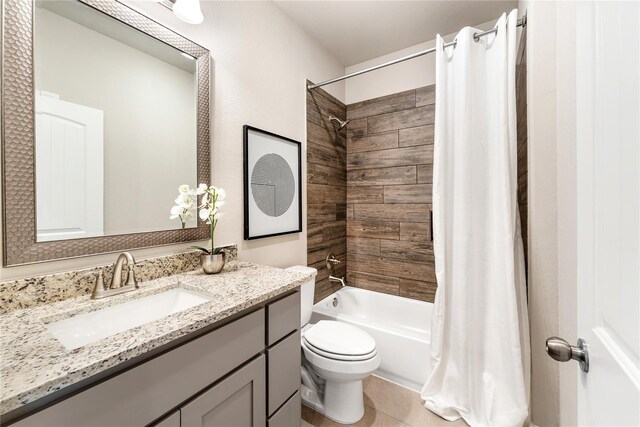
(608, 211)
(69, 169)
(239, 400)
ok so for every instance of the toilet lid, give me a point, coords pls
(340, 338)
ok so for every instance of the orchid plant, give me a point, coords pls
(210, 204)
(185, 205)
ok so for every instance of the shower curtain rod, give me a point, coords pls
(522, 22)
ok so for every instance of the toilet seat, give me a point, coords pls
(341, 357)
(339, 341)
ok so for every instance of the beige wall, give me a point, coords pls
(146, 156)
(552, 192)
(567, 203)
(407, 75)
(260, 62)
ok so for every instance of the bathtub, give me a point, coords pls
(400, 326)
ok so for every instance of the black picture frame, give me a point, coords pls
(246, 129)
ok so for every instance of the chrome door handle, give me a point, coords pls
(562, 351)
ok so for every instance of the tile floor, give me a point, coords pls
(386, 405)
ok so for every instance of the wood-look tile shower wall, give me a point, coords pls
(389, 176)
(326, 188)
(369, 189)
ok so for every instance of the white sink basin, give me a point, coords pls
(87, 328)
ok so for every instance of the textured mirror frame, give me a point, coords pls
(18, 140)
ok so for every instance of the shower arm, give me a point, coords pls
(341, 123)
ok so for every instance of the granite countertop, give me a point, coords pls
(35, 364)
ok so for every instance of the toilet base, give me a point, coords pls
(342, 403)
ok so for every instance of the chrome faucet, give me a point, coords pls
(337, 279)
(100, 290)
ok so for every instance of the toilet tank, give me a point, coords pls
(307, 290)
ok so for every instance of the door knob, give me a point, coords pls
(562, 351)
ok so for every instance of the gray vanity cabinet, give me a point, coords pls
(237, 401)
(283, 362)
(240, 374)
(283, 371)
(146, 391)
(283, 317)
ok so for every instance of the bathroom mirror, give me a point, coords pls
(106, 114)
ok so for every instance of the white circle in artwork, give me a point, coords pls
(272, 185)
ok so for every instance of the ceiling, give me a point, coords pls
(357, 30)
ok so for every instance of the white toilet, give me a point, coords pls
(336, 358)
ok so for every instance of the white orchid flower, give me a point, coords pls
(205, 200)
(185, 201)
(187, 206)
(202, 188)
(175, 212)
(204, 214)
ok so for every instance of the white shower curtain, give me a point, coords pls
(479, 338)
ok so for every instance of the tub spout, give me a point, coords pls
(338, 279)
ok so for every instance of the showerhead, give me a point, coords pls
(341, 123)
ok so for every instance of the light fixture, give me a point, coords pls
(188, 11)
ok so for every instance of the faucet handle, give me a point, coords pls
(331, 260)
(99, 288)
(131, 276)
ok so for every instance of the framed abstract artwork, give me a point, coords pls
(272, 184)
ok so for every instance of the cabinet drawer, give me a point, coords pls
(289, 415)
(283, 371)
(142, 394)
(283, 317)
(236, 401)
